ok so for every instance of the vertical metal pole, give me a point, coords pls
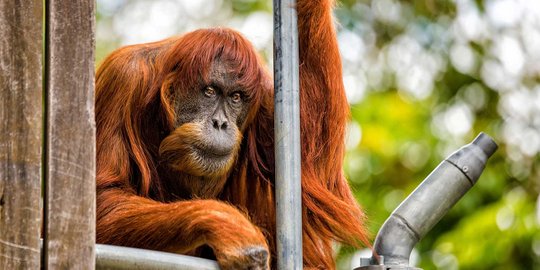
(287, 136)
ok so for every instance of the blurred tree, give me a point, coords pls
(432, 75)
(423, 78)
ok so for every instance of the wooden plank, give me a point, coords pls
(70, 150)
(20, 133)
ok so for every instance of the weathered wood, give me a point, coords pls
(70, 150)
(20, 132)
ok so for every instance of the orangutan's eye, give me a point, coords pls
(236, 97)
(209, 91)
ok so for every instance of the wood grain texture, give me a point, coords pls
(20, 133)
(70, 150)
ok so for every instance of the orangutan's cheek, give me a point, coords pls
(196, 149)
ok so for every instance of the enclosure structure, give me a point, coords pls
(287, 134)
(48, 133)
(47, 143)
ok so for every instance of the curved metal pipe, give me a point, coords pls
(110, 257)
(120, 258)
(430, 201)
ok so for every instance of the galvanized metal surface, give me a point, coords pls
(429, 202)
(287, 136)
(120, 258)
(366, 262)
(387, 267)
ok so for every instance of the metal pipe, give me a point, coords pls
(428, 203)
(125, 258)
(110, 257)
(287, 136)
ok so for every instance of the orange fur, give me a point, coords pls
(138, 203)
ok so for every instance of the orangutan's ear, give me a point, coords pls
(167, 96)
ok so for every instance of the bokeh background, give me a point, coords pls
(423, 78)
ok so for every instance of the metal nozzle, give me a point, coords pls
(428, 203)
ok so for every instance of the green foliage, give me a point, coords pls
(245, 7)
(495, 225)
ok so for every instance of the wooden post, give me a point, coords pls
(70, 135)
(20, 132)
